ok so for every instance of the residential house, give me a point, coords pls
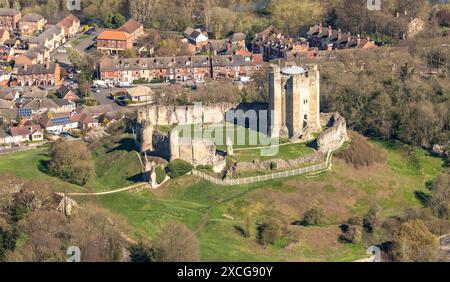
(22, 134)
(49, 105)
(36, 55)
(236, 66)
(31, 23)
(5, 104)
(260, 39)
(329, 39)
(5, 137)
(4, 35)
(181, 68)
(66, 93)
(71, 25)
(139, 94)
(96, 111)
(6, 53)
(9, 94)
(57, 123)
(40, 74)
(5, 77)
(133, 28)
(114, 41)
(51, 38)
(34, 93)
(85, 121)
(196, 37)
(9, 18)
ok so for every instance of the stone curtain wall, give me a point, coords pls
(166, 115)
(280, 164)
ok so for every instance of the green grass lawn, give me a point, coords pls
(75, 43)
(213, 211)
(83, 37)
(117, 166)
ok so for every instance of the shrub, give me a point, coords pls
(354, 221)
(269, 232)
(351, 233)
(313, 216)
(177, 168)
(205, 167)
(160, 174)
(71, 161)
(371, 220)
(361, 153)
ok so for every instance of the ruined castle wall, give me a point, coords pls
(333, 137)
(161, 145)
(280, 164)
(167, 115)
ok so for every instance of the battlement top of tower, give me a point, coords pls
(293, 70)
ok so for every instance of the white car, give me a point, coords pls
(61, 50)
(67, 45)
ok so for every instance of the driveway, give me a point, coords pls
(80, 42)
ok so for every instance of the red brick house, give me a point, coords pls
(31, 23)
(181, 68)
(133, 28)
(39, 74)
(9, 18)
(65, 93)
(114, 41)
(71, 25)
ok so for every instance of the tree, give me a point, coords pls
(71, 161)
(371, 219)
(113, 20)
(440, 196)
(313, 216)
(177, 168)
(16, 5)
(415, 243)
(4, 3)
(141, 253)
(176, 243)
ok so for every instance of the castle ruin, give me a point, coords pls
(294, 101)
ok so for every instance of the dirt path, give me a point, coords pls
(135, 186)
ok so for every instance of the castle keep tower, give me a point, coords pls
(294, 101)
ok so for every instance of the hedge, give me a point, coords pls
(177, 168)
(160, 174)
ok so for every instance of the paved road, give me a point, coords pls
(63, 58)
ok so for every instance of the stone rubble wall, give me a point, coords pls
(335, 136)
(280, 164)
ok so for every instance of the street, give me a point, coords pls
(80, 42)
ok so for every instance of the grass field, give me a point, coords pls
(117, 166)
(213, 211)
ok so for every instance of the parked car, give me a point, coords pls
(95, 90)
(67, 45)
(61, 50)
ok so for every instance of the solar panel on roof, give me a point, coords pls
(61, 120)
(24, 112)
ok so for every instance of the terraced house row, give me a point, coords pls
(181, 68)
